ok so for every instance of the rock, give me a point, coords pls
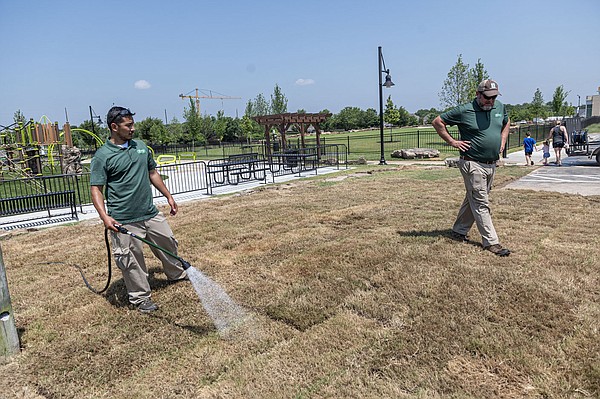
(71, 160)
(451, 162)
(413, 153)
(359, 161)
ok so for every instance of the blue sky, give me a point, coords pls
(323, 54)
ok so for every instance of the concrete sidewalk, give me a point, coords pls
(518, 157)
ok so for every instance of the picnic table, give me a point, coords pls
(236, 168)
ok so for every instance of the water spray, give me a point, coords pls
(224, 312)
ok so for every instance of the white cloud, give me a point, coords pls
(305, 82)
(142, 85)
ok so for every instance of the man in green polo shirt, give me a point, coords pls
(484, 126)
(123, 169)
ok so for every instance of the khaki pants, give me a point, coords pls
(478, 178)
(129, 256)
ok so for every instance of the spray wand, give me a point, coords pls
(185, 264)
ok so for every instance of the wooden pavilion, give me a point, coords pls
(282, 122)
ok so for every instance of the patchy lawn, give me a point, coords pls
(355, 290)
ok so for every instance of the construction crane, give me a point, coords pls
(206, 95)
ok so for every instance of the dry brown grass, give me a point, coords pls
(356, 289)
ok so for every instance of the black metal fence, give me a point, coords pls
(31, 186)
(181, 177)
(539, 132)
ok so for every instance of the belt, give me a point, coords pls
(466, 158)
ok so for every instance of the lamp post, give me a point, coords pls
(388, 83)
(92, 116)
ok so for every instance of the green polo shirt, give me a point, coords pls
(124, 172)
(482, 128)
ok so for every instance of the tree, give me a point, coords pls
(207, 128)
(233, 129)
(538, 108)
(278, 101)
(427, 115)
(558, 105)
(328, 124)
(82, 139)
(405, 118)
(257, 107)
(174, 131)
(519, 112)
(391, 114)
(144, 130)
(348, 118)
(158, 134)
(19, 117)
(371, 117)
(455, 90)
(220, 126)
(192, 128)
(476, 75)
(250, 128)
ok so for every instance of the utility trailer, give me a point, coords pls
(583, 144)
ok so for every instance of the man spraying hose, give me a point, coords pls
(123, 169)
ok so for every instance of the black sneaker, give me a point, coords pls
(147, 306)
(497, 249)
(459, 237)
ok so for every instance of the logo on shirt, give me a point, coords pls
(141, 151)
(497, 115)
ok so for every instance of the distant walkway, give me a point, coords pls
(577, 175)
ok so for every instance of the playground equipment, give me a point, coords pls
(29, 149)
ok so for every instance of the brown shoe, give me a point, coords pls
(497, 249)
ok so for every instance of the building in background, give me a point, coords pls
(592, 105)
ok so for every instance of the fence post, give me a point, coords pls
(9, 338)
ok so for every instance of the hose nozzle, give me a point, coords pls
(121, 229)
(185, 264)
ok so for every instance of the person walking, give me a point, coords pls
(483, 125)
(560, 140)
(124, 169)
(528, 145)
(546, 151)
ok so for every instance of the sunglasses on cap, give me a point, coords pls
(121, 113)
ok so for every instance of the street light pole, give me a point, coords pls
(388, 83)
(92, 116)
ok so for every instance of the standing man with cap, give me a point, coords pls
(483, 125)
(125, 168)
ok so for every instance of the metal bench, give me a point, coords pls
(38, 206)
